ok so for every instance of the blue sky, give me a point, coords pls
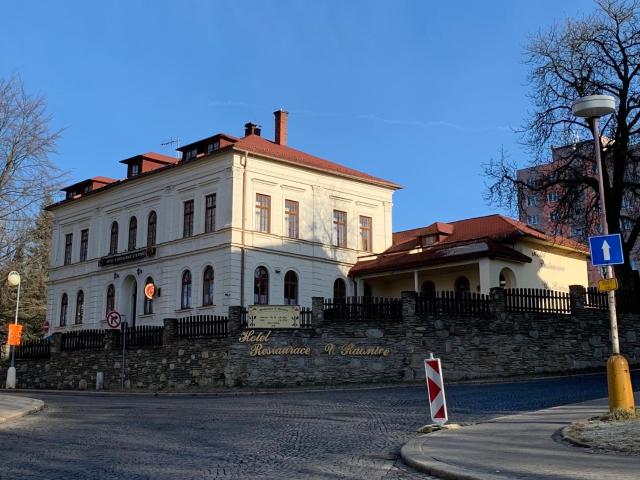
(418, 92)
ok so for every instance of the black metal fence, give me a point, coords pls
(626, 301)
(537, 300)
(142, 336)
(82, 340)
(306, 316)
(363, 308)
(453, 303)
(33, 349)
(213, 326)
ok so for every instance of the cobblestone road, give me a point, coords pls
(348, 434)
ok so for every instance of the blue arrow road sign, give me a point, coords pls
(606, 250)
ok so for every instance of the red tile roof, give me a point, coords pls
(154, 157)
(491, 231)
(438, 256)
(261, 146)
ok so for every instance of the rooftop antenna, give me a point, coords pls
(170, 143)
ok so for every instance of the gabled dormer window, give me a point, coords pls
(215, 145)
(134, 169)
(190, 154)
(428, 240)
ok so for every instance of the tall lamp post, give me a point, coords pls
(14, 281)
(593, 107)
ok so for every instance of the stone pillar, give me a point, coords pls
(169, 334)
(408, 299)
(235, 317)
(498, 301)
(56, 343)
(578, 297)
(317, 311)
(110, 338)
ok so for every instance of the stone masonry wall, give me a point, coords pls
(340, 352)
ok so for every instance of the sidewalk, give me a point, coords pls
(13, 406)
(524, 446)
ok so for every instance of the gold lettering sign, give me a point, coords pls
(351, 350)
(257, 341)
(273, 316)
(259, 350)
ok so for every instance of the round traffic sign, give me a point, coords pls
(114, 319)
(149, 290)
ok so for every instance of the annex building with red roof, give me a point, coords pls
(472, 255)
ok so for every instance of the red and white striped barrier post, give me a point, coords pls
(435, 390)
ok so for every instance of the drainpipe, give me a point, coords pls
(243, 162)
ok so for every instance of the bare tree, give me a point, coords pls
(597, 54)
(27, 176)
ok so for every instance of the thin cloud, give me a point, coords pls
(372, 118)
(436, 123)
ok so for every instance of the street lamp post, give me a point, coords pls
(14, 281)
(593, 107)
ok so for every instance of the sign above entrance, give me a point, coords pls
(273, 316)
(114, 319)
(606, 250)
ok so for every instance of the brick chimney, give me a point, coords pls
(281, 126)
(251, 129)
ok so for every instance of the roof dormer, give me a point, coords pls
(86, 186)
(146, 162)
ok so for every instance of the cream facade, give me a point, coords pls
(234, 249)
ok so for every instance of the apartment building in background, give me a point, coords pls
(537, 211)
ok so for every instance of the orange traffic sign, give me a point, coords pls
(15, 334)
(149, 290)
(608, 284)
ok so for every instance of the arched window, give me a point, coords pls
(111, 298)
(133, 233)
(113, 243)
(148, 303)
(64, 306)
(339, 289)
(79, 307)
(428, 289)
(462, 286)
(207, 286)
(185, 297)
(152, 221)
(507, 278)
(291, 288)
(261, 286)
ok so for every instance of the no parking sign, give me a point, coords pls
(114, 319)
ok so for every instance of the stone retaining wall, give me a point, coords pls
(340, 352)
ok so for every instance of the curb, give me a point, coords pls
(566, 436)
(37, 406)
(413, 455)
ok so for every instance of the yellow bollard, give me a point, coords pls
(619, 381)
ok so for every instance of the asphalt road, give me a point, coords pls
(346, 434)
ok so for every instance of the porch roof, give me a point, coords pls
(438, 256)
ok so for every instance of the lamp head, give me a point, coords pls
(594, 106)
(13, 279)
